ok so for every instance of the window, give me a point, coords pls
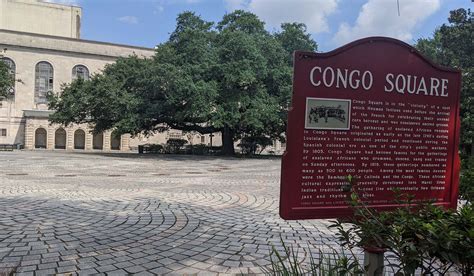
(80, 71)
(3, 132)
(203, 139)
(12, 71)
(43, 81)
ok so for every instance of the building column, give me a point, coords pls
(69, 138)
(125, 142)
(107, 143)
(88, 145)
(50, 135)
(29, 136)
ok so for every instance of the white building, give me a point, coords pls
(41, 44)
(42, 57)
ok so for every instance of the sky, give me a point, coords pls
(331, 23)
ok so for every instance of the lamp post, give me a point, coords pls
(210, 136)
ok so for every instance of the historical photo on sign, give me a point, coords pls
(327, 113)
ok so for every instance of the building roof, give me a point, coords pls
(70, 45)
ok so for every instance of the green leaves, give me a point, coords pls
(294, 37)
(6, 80)
(452, 45)
(233, 77)
(422, 237)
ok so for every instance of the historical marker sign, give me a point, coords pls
(375, 109)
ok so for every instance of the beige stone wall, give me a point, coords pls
(40, 17)
(21, 49)
(31, 136)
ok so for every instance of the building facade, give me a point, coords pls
(37, 17)
(42, 63)
(41, 58)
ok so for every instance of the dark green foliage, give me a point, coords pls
(453, 45)
(250, 145)
(420, 236)
(152, 148)
(232, 77)
(175, 145)
(466, 183)
(294, 37)
(6, 80)
(199, 149)
(335, 263)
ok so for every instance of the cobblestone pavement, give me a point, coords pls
(127, 214)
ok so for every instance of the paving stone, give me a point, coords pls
(44, 272)
(159, 214)
(117, 272)
(26, 268)
(63, 269)
(106, 268)
(47, 265)
(30, 273)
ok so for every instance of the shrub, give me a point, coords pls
(335, 263)
(174, 145)
(153, 148)
(200, 149)
(251, 144)
(466, 184)
(420, 236)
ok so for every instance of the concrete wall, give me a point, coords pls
(40, 17)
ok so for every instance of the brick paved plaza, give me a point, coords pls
(127, 214)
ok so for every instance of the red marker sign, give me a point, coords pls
(375, 109)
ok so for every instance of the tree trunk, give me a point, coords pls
(228, 141)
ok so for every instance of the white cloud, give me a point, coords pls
(158, 9)
(313, 13)
(232, 5)
(129, 19)
(380, 18)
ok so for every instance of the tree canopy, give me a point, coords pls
(232, 77)
(452, 45)
(6, 80)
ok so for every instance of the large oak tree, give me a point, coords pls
(453, 45)
(232, 77)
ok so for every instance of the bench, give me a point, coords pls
(9, 147)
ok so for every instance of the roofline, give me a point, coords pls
(77, 40)
(60, 4)
(111, 57)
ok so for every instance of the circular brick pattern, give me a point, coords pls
(117, 214)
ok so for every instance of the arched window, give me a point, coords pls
(41, 138)
(79, 139)
(43, 81)
(98, 141)
(60, 139)
(80, 71)
(11, 71)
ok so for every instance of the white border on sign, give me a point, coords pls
(328, 99)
